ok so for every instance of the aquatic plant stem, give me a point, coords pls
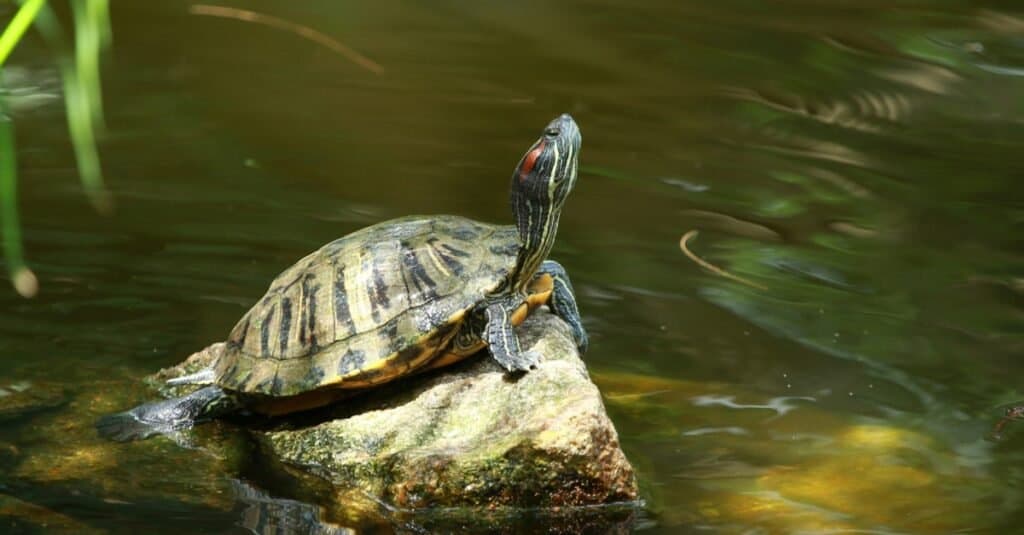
(302, 31)
(24, 281)
(710, 267)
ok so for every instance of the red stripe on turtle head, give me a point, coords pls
(530, 160)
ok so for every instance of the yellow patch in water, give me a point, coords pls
(881, 476)
(771, 514)
(881, 437)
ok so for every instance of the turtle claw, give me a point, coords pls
(524, 361)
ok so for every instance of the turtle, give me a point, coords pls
(393, 299)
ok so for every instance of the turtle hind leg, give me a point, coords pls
(161, 417)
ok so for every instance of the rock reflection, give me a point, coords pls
(266, 515)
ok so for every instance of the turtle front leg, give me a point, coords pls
(502, 340)
(563, 302)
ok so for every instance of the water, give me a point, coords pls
(858, 166)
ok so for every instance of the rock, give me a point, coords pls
(199, 360)
(468, 435)
(473, 436)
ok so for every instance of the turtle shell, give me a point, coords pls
(368, 307)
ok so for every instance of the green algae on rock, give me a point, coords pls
(470, 435)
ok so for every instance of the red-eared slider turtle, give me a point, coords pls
(395, 298)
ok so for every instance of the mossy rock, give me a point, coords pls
(474, 436)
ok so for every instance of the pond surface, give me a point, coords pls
(858, 164)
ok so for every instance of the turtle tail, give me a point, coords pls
(167, 416)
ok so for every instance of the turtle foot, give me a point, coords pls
(168, 416)
(524, 361)
(126, 427)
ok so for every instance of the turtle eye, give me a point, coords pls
(551, 132)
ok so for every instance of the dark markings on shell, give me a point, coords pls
(378, 294)
(286, 323)
(261, 386)
(302, 311)
(423, 283)
(265, 333)
(447, 255)
(342, 316)
(389, 338)
(230, 372)
(308, 331)
(243, 332)
(352, 360)
(407, 355)
(405, 278)
(464, 233)
(276, 386)
(507, 249)
(390, 330)
(314, 376)
(453, 251)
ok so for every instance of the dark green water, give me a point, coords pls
(861, 161)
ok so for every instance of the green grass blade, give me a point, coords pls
(99, 16)
(88, 43)
(83, 139)
(21, 21)
(79, 100)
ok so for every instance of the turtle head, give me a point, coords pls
(547, 172)
(541, 182)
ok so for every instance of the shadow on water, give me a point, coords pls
(859, 166)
